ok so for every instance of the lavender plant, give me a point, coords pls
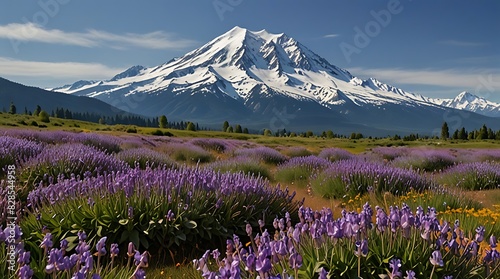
(430, 160)
(66, 160)
(144, 157)
(265, 154)
(415, 243)
(299, 169)
(248, 166)
(473, 176)
(15, 151)
(335, 154)
(157, 209)
(351, 177)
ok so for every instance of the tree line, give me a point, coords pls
(124, 119)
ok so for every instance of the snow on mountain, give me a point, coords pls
(470, 102)
(248, 76)
(240, 60)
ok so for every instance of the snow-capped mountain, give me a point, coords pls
(251, 77)
(470, 102)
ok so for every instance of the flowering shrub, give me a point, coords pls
(473, 176)
(144, 157)
(185, 152)
(217, 145)
(265, 154)
(158, 209)
(245, 165)
(335, 154)
(351, 177)
(296, 151)
(300, 168)
(390, 153)
(105, 143)
(425, 159)
(66, 160)
(14, 151)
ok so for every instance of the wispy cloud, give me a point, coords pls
(72, 70)
(331, 35)
(30, 32)
(487, 79)
(461, 43)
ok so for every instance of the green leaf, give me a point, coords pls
(190, 224)
(123, 222)
(134, 237)
(181, 236)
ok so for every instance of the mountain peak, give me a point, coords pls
(130, 72)
(466, 96)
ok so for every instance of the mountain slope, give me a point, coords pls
(250, 77)
(25, 96)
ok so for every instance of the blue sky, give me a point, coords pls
(434, 48)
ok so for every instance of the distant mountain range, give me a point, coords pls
(264, 80)
(470, 102)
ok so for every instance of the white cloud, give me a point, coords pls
(30, 32)
(461, 43)
(56, 70)
(445, 78)
(331, 35)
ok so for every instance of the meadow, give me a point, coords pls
(97, 202)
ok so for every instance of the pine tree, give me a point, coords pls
(237, 129)
(245, 130)
(163, 122)
(37, 110)
(445, 132)
(12, 109)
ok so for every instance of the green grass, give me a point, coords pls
(314, 144)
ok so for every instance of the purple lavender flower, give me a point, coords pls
(47, 243)
(493, 242)
(363, 247)
(480, 234)
(140, 274)
(323, 273)
(263, 264)
(101, 246)
(410, 274)
(82, 236)
(24, 258)
(131, 249)
(25, 272)
(114, 250)
(295, 260)
(436, 258)
(448, 277)
(395, 265)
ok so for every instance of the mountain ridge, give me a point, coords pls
(249, 70)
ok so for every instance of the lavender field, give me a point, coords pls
(88, 205)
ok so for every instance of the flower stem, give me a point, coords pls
(432, 272)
